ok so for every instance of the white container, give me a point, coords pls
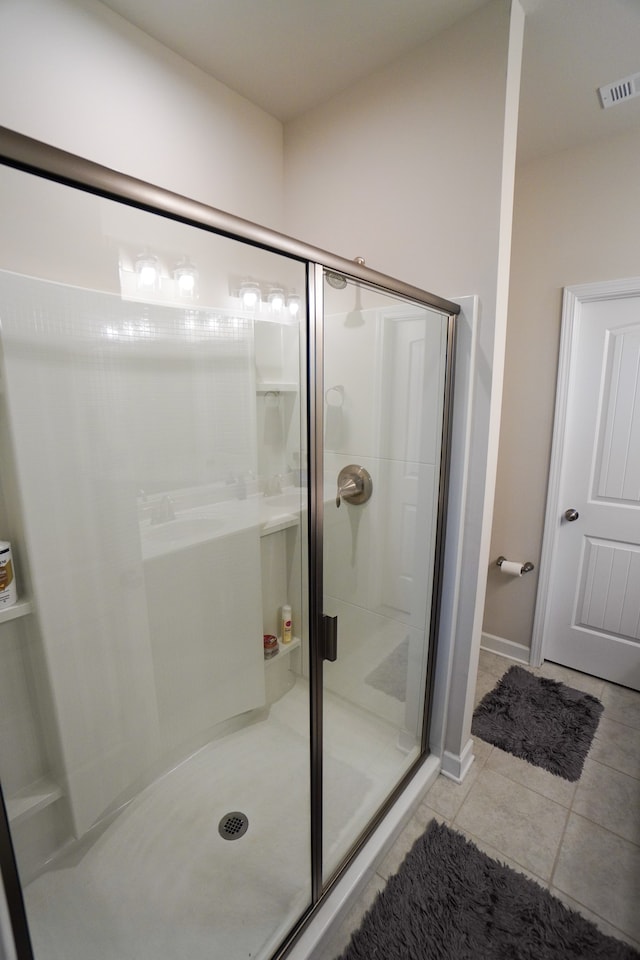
(8, 592)
(287, 634)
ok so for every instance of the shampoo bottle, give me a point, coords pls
(286, 624)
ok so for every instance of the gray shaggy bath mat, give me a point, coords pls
(390, 676)
(449, 901)
(542, 721)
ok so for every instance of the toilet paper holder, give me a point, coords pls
(526, 567)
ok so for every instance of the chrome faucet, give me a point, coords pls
(163, 511)
(273, 485)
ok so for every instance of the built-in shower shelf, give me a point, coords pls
(20, 609)
(276, 386)
(284, 648)
(32, 799)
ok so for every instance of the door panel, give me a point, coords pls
(609, 599)
(593, 620)
(384, 382)
(142, 727)
(618, 431)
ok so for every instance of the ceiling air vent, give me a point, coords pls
(614, 93)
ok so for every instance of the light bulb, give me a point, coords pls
(250, 295)
(186, 283)
(147, 269)
(276, 300)
(186, 276)
(293, 303)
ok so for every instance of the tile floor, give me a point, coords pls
(579, 840)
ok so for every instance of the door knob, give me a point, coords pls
(571, 514)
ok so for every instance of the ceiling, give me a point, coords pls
(287, 56)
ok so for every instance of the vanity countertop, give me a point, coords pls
(222, 519)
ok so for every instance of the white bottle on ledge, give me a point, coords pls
(8, 592)
(286, 624)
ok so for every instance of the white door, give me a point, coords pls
(592, 576)
(411, 415)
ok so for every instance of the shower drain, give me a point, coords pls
(233, 825)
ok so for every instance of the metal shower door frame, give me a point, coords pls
(32, 156)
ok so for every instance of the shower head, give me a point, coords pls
(336, 280)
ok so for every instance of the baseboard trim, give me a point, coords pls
(456, 766)
(506, 648)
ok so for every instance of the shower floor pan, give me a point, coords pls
(161, 881)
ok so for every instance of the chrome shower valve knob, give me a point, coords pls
(354, 485)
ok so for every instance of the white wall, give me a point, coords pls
(577, 217)
(408, 169)
(77, 76)
(404, 168)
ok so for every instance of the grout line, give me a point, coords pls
(607, 829)
(507, 776)
(610, 766)
(623, 723)
(454, 818)
(603, 763)
(559, 849)
(592, 913)
(502, 857)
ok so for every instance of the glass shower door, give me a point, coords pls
(154, 763)
(385, 362)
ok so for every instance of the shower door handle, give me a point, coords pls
(329, 638)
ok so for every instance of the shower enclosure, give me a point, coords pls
(203, 422)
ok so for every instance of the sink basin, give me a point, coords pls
(187, 528)
(291, 502)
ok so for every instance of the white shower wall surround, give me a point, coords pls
(63, 412)
(156, 457)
